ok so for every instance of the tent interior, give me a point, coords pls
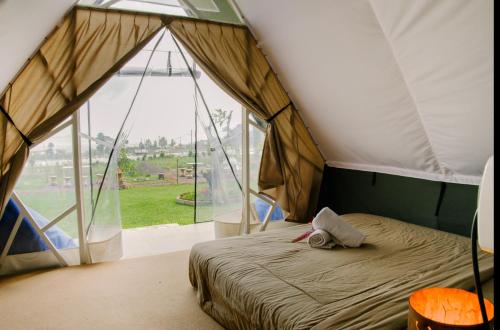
(301, 120)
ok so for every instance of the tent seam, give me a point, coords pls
(278, 77)
(407, 85)
(401, 171)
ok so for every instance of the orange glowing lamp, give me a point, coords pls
(446, 308)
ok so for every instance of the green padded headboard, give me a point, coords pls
(444, 206)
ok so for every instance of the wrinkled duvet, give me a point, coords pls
(263, 281)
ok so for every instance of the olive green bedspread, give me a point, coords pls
(263, 281)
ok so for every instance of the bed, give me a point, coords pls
(263, 281)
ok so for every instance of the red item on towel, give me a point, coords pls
(303, 236)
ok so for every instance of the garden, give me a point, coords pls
(154, 180)
(160, 189)
(148, 192)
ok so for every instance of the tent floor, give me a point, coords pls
(140, 293)
(153, 240)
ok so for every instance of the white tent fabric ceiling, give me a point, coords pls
(399, 87)
(23, 26)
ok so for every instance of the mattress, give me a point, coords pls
(263, 281)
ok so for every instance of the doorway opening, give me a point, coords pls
(144, 167)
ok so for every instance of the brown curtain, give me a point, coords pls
(74, 61)
(90, 45)
(291, 166)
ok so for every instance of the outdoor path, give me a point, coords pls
(154, 240)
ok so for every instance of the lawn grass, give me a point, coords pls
(140, 206)
(148, 206)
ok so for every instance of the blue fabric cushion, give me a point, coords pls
(27, 239)
(262, 207)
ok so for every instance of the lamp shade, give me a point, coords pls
(485, 209)
(446, 308)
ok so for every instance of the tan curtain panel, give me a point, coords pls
(90, 45)
(292, 166)
(77, 58)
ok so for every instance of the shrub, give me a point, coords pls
(127, 165)
(201, 196)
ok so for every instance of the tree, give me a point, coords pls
(222, 119)
(32, 161)
(100, 146)
(172, 142)
(141, 145)
(103, 143)
(148, 144)
(50, 150)
(123, 139)
(163, 142)
(126, 164)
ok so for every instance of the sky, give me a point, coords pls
(164, 106)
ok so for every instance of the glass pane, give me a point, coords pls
(102, 215)
(257, 214)
(256, 144)
(106, 218)
(68, 238)
(262, 207)
(226, 192)
(156, 155)
(206, 186)
(221, 124)
(257, 120)
(47, 188)
(88, 176)
(47, 181)
(161, 7)
(63, 235)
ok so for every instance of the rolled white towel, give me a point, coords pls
(320, 239)
(343, 232)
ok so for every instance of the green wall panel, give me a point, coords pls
(457, 209)
(445, 206)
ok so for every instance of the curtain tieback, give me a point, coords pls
(9, 119)
(278, 113)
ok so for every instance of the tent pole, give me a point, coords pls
(10, 239)
(246, 170)
(77, 167)
(195, 151)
